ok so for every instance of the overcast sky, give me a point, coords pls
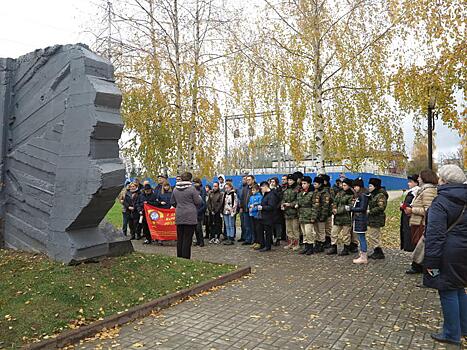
(26, 25)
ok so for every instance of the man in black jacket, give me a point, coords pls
(147, 196)
(269, 213)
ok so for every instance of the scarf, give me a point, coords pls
(181, 185)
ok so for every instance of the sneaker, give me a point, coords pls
(217, 241)
(362, 259)
(257, 246)
(228, 242)
(246, 243)
(262, 250)
(211, 241)
(241, 240)
(147, 241)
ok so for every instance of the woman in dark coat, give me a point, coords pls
(445, 259)
(406, 238)
(269, 209)
(130, 202)
(277, 229)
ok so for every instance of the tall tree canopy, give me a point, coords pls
(333, 79)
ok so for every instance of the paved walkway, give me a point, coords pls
(293, 302)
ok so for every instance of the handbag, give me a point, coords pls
(417, 233)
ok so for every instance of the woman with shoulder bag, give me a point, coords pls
(428, 181)
(445, 259)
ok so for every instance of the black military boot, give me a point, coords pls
(310, 249)
(353, 248)
(332, 250)
(344, 251)
(305, 249)
(378, 254)
(319, 248)
(327, 242)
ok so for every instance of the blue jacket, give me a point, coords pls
(360, 212)
(447, 251)
(253, 203)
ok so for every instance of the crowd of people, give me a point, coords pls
(313, 217)
(308, 214)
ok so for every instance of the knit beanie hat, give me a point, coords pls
(307, 179)
(318, 180)
(358, 182)
(413, 177)
(375, 182)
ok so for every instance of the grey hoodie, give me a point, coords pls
(186, 200)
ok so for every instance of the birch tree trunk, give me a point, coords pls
(178, 84)
(194, 90)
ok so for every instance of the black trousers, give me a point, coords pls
(133, 224)
(184, 240)
(216, 226)
(268, 231)
(277, 230)
(207, 226)
(146, 232)
(199, 232)
(258, 231)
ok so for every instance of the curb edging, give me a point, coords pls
(73, 336)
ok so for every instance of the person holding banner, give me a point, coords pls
(147, 196)
(164, 196)
(186, 200)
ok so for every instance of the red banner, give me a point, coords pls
(161, 223)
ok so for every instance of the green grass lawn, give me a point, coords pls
(114, 216)
(39, 297)
(391, 232)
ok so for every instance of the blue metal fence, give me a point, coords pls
(389, 182)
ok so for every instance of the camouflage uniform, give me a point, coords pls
(306, 215)
(321, 210)
(328, 226)
(342, 218)
(376, 216)
(291, 214)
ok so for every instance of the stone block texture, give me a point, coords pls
(60, 167)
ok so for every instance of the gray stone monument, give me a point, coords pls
(60, 168)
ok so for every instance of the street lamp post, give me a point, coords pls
(431, 125)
